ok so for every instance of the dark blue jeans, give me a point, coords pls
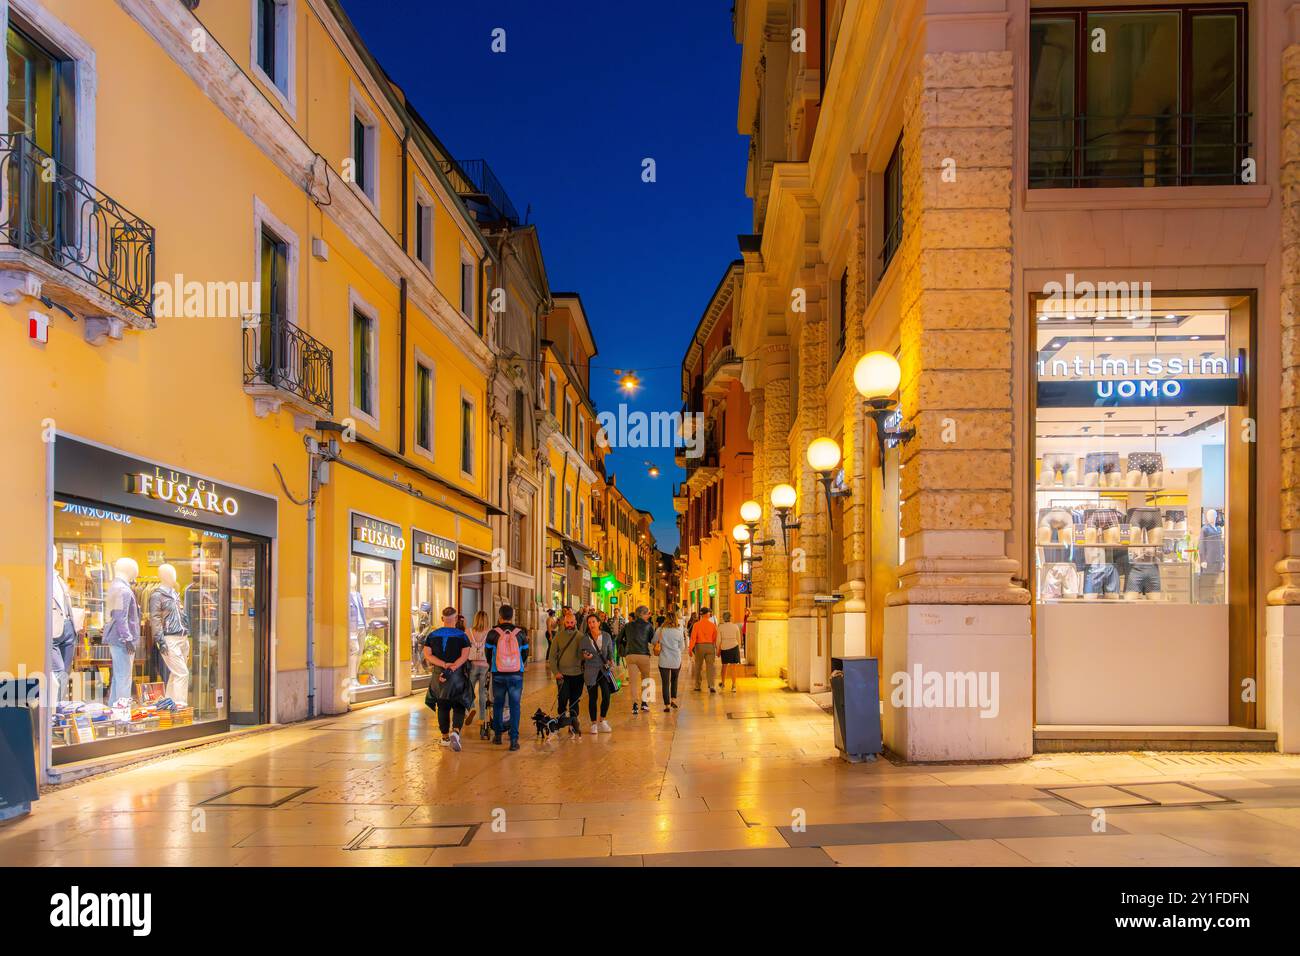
(503, 684)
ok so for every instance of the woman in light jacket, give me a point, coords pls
(597, 653)
(670, 642)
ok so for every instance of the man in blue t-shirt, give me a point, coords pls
(507, 671)
(447, 650)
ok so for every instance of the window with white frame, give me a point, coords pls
(424, 405)
(467, 434)
(273, 46)
(424, 231)
(568, 418)
(582, 436)
(468, 287)
(365, 361)
(365, 149)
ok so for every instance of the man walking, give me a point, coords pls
(704, 647)
(564, 662)
(507, 652)
(638, 635)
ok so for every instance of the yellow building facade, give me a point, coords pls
(256, 320)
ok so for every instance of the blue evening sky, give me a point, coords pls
(584, 92)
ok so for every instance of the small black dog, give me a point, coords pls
(547, 725)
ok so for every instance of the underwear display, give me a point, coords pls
(1103, 518)
(1058, 469)
(1143, 579)
(1055, 521)
(1060, 581)
(1147, 462)
(1103, 462)
(1101, 579)
(1144, 518)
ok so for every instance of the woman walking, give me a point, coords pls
(670, 642)
(479, 673)
(597, 655)
(564, 661)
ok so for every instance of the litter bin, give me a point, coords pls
(855, 704)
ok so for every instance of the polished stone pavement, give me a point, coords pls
(717, 783)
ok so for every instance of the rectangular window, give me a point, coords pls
(271, 42)
(519, 420)
(893, 206)
(363, 362)
(424, 234)
(424, 406)
(468, 298)
(363, 155)
(582, 436)
(568, 510)
(467, 436)
(517, 539)
(274, 278)
(568, 418)
(550, 499)
(582, 521)
(843, 320)
(1138, 97)
(552, 400)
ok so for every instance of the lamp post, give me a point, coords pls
(824, 457)
(783, 500)
(876, 377)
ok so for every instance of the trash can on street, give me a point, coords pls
(855, 704)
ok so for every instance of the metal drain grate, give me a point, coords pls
(258, 794)
(1207, 760)
(1159, 794)
(424, 836)
(349, 729)
(750, 715)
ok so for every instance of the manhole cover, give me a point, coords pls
(255, 795)
(1172, 794)
(413, 837)
(749, 715)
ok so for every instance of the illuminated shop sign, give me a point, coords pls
(98, 513)
(101, 475)
(379, 539)
(1138, 382)
(431, 551)
(192, 495)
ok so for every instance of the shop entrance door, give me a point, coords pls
(248, 624)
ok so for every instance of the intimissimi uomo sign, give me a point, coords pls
(379, 539)
(1137, 382)
(82, 470)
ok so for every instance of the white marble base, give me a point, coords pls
(982, 659)
(769, 649)
(1281, 692)
(290, 696)
(808, 653)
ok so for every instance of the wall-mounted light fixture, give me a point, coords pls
(824, 457)
(783, 500)
(876, 377)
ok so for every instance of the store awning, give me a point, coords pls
(578, 554)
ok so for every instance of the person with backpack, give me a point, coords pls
(597, 670)
(564, 662)
(447, 650)
(479, 674)
(506, 647)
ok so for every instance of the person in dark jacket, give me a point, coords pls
(447, 650)
(637, 636)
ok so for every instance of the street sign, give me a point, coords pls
(743, 586)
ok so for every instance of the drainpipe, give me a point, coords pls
(313, 490)
(401, 367)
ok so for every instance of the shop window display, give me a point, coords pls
(370, 618)
(1130, 477)
(430, 592)
(138, 629)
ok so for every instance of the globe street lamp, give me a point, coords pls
(783, 499)
(876, 377)
(824, 457)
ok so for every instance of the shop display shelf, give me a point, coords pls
(1117, 488)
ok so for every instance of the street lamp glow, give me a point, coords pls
(824, 454)
(877, 375)
(751, 512)
(784, 496)
(741, 533)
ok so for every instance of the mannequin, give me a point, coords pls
(1210, 556)
(356, 630)
(122, 631)
(63, 631)
(171, 630)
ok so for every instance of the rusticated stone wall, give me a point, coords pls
(1289, 567)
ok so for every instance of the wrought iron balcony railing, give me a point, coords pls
(52, 213)
(1172, 149)
(282, 356)
(475, 182)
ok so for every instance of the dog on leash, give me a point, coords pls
(547, 725)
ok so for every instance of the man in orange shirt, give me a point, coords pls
(704, 647)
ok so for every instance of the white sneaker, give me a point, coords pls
(594, 728)
(605, 728)
(455, 741)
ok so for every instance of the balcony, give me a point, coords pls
(1174, 149)
(722, 370)
(680, 499)
(283, 365)
(475, 183)
(68, 245)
